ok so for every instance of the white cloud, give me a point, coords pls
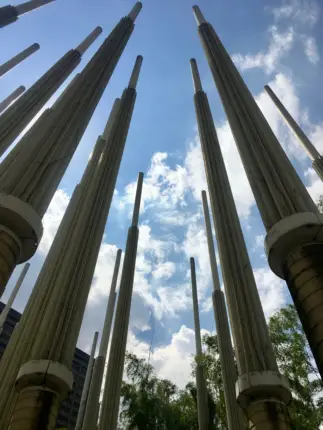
(311, 49)
(272, 290)
(164, 270)
(53, 218)
(304, 12)
(279, 45)
(103, 273)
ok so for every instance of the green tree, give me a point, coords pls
(148, 402)
(296, 363)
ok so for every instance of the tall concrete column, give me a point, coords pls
(234, 413)
(201, 389)
(50, 325)
(86, 386)
(10, 14)
(261, 391)
(112, 389)
(310, 149)
(11, 98)
(19, 115)
(17, 59)
(44, 153)
(4, 313)
(91, 417)
(294, 241)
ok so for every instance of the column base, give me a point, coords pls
(303, 270)
(20, 232)
(42, 385)
(295, 253)
(264, 397)
(290, 233)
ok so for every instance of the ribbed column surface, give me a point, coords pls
(50, 325)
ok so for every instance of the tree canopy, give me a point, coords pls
(151, 403)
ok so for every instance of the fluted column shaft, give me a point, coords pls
(86, 386)
(18, 116)
(310, 149)
(294, 241)
(5, 311)
(201, 389)
(234, 414)
(30, 188)
(10, 14)
(113, 382)
(17, 59)
(90, 416)
(260, 387)
(56, 312)
(11, 98)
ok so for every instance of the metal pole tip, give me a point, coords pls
(198, 15)
(135, 11)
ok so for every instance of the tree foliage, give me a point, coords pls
(296, 363)
(152, 403)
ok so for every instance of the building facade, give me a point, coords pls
(69, 409)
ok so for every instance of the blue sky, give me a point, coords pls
(276, 42)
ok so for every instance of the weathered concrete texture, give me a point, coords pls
(234, 413)
(90, 417)
(17, 59)
(255, 358)
(43, 154)
(19, 115)
(86, 386)
(201, 389)
(11, 98)
(10, 14)
(290, 216)
(310, 149)
(112, 388)
(4, 313)
(50, 325)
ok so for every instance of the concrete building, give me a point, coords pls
(17, 59)
(46, 337)
(312, 152)
(9, 14)
(113, 381)
(294, 241)
(68, 411)
(11, 98)
(33, 170)
(261, 391)
(201, 389)
(19, 115)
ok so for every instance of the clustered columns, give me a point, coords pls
(10, 14)
(234, 413)
(312, 152)
(92, 406)
(261, 391)
(19, 115)
(43, 344)
(35, 166)
(112, 389)
(294, 241)
(201, 389)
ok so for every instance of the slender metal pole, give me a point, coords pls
(85, 392)
(13, 295)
